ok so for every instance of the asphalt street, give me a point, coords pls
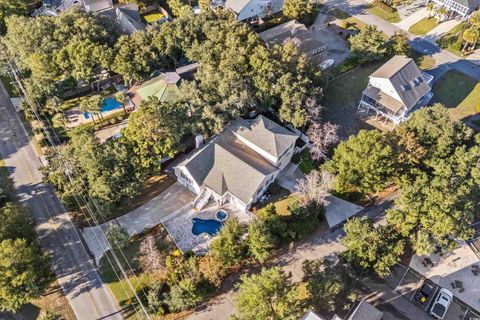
(88, 296)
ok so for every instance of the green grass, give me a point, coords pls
(423, 26)
(282, 205)
(354, 23)
(342, 97)
(306, 163)
(153, 17)
(458, 92)
(422, 61)
(11, 89)
(339, 14)
(392, 17)
(449, 40)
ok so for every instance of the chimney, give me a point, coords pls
(198, 141)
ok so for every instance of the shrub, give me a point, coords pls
(344, 24)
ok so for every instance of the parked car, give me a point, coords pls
(426, 290)
(441, 304)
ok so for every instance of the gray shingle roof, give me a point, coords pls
(127, 17)
(401, 71)
(471, 4)
(236, 5)
(365, 311)
(292, 30)
(226, 164)
(267, 135)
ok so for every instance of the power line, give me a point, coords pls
(70, 179)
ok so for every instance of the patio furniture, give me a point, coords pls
(458, 284)
(453, 285)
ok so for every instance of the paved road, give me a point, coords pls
(76, 273)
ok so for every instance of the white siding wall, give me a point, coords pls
(267, 156)
(190, 183)
(385, 85)
(256, 8)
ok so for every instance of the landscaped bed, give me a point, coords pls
(423, 26)
(391, 16)
(458, 92)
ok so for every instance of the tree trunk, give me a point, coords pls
(93, 118)
(465, 46)
(124, 109)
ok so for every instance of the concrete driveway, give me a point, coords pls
(143, 218)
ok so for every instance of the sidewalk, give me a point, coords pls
(412, 19)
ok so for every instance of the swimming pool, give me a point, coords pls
(209, 226)
(109, 104)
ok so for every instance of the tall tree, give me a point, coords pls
(377, 249)
(228, 246)
(315, 187)
(365, 162)
(268, 295)
(259, 241)
(368, 45)
(23, 274)
(297, 9)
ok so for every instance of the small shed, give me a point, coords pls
(337, 211)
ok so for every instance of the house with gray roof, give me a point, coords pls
(365, 311)
(126, 16)
(297, 32)
(253, 9)
(55, 7)
(396, 89)
(237, 165)
(460, 8)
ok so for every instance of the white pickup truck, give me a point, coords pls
(441, 304)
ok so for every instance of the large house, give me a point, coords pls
(126, 16)
(461, 8)
(55, 7)
(297, 32)
(253, 9)
(238, 164)
(396, 89)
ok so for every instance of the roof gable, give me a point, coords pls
(406, 78)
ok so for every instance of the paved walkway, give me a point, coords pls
(412, 19)
(143, 218)
(444, 27)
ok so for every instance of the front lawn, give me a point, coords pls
(423, 62)
(458, 92)
(452, 41)
(392, 17)
(342, 97)
(423, 26)
(153, 17)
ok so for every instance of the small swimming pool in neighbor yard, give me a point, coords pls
(209, 226)
(109, 104)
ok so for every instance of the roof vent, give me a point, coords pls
(294, 30)
(404, 87)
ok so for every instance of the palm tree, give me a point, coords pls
(122, 98)
(96, 104)
(442, 12)
(475, 19)
(470, 36)
(93, 105)
(430, 7)
(84, 106)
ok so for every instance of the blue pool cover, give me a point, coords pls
(109, 104)
(209, 226)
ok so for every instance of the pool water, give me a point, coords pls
(209, 226)
(109, 104)
(222, 215)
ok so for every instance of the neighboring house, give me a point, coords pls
(299, 33)
(365, 311)
(310, 315)
(253, 9)
(127, 18)
(396, 89)
(238, 164)
(462, 8)
(55, 7)
(164, 86)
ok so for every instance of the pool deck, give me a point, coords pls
(179, 226)
(76, 118)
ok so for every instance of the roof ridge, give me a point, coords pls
(239, 158)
